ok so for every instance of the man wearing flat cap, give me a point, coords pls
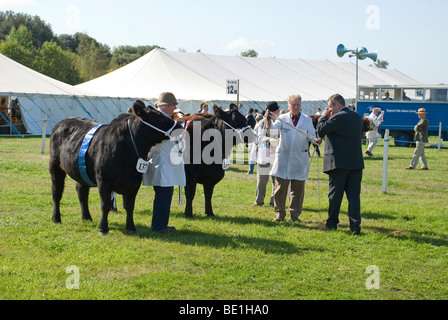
(420, 137)
(162, 173)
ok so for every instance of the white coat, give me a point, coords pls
(377, 120)
(291, 157)
(166, 166)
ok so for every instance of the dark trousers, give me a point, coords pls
(348, 182)
(161, 207)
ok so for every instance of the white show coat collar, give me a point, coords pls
(299, 123)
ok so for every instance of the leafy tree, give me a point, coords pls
(22, 36)
(95, 58)
(68, 42)
(382, 64)
(250, 53)
(17, 52)
(56, 63)
(18, 46)
(124, 55)
(41, 31)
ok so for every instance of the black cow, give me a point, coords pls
(109, 161)
(197, 168)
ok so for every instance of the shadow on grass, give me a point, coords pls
(195, 238)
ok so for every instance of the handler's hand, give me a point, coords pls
(326, 113)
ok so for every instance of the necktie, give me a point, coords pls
(295, 119)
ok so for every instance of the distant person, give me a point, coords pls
(267, 141)
(250, 118)
(405, 98)
(4, 117)
(343, 161)
(203, 108)
(373, 135)
(16, 116)
(319, 112)
(387, 97)
(421, 137)
(4, 108)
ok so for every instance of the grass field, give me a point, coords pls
(241, 254)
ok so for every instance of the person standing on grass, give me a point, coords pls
(421, 137)
(291, 168)
(373, 135)
(343, 161)
(267, 142)
(162, 174)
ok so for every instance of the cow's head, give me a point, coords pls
(236, 121)
(161, 125)
(232, 116)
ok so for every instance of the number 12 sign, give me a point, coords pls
(232, 86)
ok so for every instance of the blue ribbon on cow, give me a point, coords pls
(82, 155)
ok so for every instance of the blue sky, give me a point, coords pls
(411, 35)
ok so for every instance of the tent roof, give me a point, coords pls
(199, 76)
(17, 78)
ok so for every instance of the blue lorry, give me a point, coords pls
(400, 106)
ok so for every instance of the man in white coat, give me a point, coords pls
(291, 164)
(373, 135)
(166, 170)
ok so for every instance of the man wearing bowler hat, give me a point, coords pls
(267, 142)
(421, 137)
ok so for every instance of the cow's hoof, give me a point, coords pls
(104, 233)
(211, 215)
(131, 232)
(57, 221)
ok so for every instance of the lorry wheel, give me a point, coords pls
(401, 139)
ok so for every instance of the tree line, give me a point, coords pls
(72, 59)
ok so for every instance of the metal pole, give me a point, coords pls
(238, 95)
(44, 132)
(357, 81)
(385, 160)
(440, 135)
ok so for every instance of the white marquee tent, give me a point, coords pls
(42, 98)
(193, 77)
(199, 77)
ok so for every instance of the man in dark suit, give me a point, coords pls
(343, 161)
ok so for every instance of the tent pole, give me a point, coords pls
(238, 95)
(44, 132)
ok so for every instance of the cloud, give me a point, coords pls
(243, 44)
(16, 3)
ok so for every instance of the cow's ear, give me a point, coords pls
(218, 111)
(139, 107)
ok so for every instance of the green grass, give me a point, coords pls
(241, 254)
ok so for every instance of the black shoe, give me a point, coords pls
(354, 233)
(167, 230)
